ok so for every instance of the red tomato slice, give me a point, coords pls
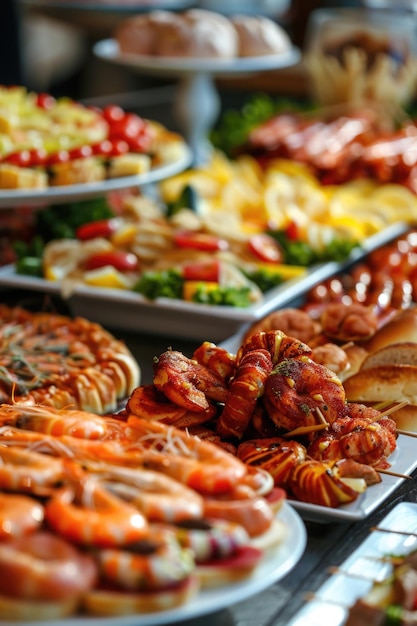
(265, 248)
(119, 259)
(99, 228)
(206, 271)
(200, 241)
(21, 158)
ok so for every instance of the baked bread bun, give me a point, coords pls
(401, 353)
(259, 35)
(383, 383)
(403, 327)
(193, 33)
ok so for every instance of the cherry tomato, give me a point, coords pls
(141, 143)
(21, 158)
(265, 248)
(292, 232)
(112, 113)
(104, 148)
(119, 259)
(82, 152)
(62, 156)
(38, 156)
(119, 146)
(127, 127)
(207, 271)
(98, 228)
(45, 101)
(200, 241)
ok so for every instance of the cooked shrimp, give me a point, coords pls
(57, 422)
(149, 403)
(157, 562)
(187, 383)
(158, 496)
(199, 464)
(359, 436)
(279, 345)
(352, 322)
(27, 470)
(19, 515)
(211, 538)
(217, 360)
(88, 514)
(245, 389)
(297, 388)
(254, 514)
(41, 566)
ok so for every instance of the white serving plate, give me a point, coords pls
(71, 193)
(341, 591)
(126, 310)
(108, 50)
(277, 562)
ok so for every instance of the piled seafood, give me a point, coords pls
(275, 408)
(110, 516)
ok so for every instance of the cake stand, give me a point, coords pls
(197, 102)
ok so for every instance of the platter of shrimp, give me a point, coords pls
(119, 521)
(377, 583)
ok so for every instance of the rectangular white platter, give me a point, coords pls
(339, 592)
(126, 310)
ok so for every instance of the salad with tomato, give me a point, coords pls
(137, 245)
(47, 141)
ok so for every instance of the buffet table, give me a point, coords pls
(328, 544)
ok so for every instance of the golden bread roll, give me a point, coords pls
(384, 383)
(401, 353)
(259, 35)
(403, 327)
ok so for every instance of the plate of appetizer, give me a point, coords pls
(187, 543)
(56, 150)
(362, 589)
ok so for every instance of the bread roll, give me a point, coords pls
(259, 35)
(403, 327)
(402, 353)
(384, 383)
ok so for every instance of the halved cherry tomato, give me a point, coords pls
(200, 241)
(104, 148)
(292, 232)
(38, 156)
(98, 228)
(265, 248)
(112, 113)
(119, 146)
(45, 101)
(82, 152)
(62, 156)
(21, 158)
(206, 271)
(141, 143)
(127, 127)
(119, 259)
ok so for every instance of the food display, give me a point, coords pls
(355, 145)
(224, 234)
(57, 361)
(198, 33)
(48, 142)
(118, 515)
